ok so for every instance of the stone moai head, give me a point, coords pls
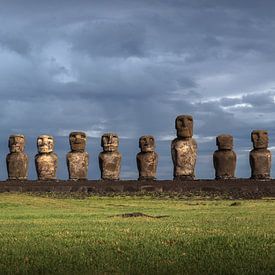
(259, 139)
(78, 141)
(45, 144)
(224, 142)
(147, 144)
(16, 143)
(184, 126)
(110, 142)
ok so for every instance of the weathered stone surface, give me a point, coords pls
(110, 158)
(147, 159)
(224, 159)
(260, 156)
(77, 159)
(184, 149)
(46, 160)
(184, 155)
(17, 160)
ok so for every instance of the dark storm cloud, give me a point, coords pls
(14, 43)
(260, 100)
(113, 39)
(132, 67)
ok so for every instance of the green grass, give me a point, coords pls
(42, 235)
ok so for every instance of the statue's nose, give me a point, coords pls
(184, 122)
(77, 139)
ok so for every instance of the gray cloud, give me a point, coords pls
(132, 67)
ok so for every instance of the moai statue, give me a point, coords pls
(77, 159)
(46, 160)
(184, 149)
(17, 160)
(147, 159)
(260, 156)
(224, 159)
(110, 158)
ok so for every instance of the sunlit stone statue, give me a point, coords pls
(17, 160)
(224, 158)
(77, 159)
(184, 149)
(147, 159)
(110, 158)
(46, 160)
(260, 156)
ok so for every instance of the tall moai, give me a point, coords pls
(46, 160)
(260, 156)
(224, 159)
(110, 157)
(184, 149)
(17, 160)
(147, 158)
(78, 158)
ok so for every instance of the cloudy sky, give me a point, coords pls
(131, 67)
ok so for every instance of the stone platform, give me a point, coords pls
(241, 188)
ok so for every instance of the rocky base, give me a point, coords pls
(238, 188)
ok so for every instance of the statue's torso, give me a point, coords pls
(184, 154)
(46, 165)
(260, 163)
(224, 163)
(147, 164)
(17, 165)
(77, 163)
(110, 163)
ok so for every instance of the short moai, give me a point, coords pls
(17, 160)
(77, 159)
(184, 149)
(110, 157)
(260, 156)
(224, 159)
(147, 159)
(46, 160)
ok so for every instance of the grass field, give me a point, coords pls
(41, 235)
